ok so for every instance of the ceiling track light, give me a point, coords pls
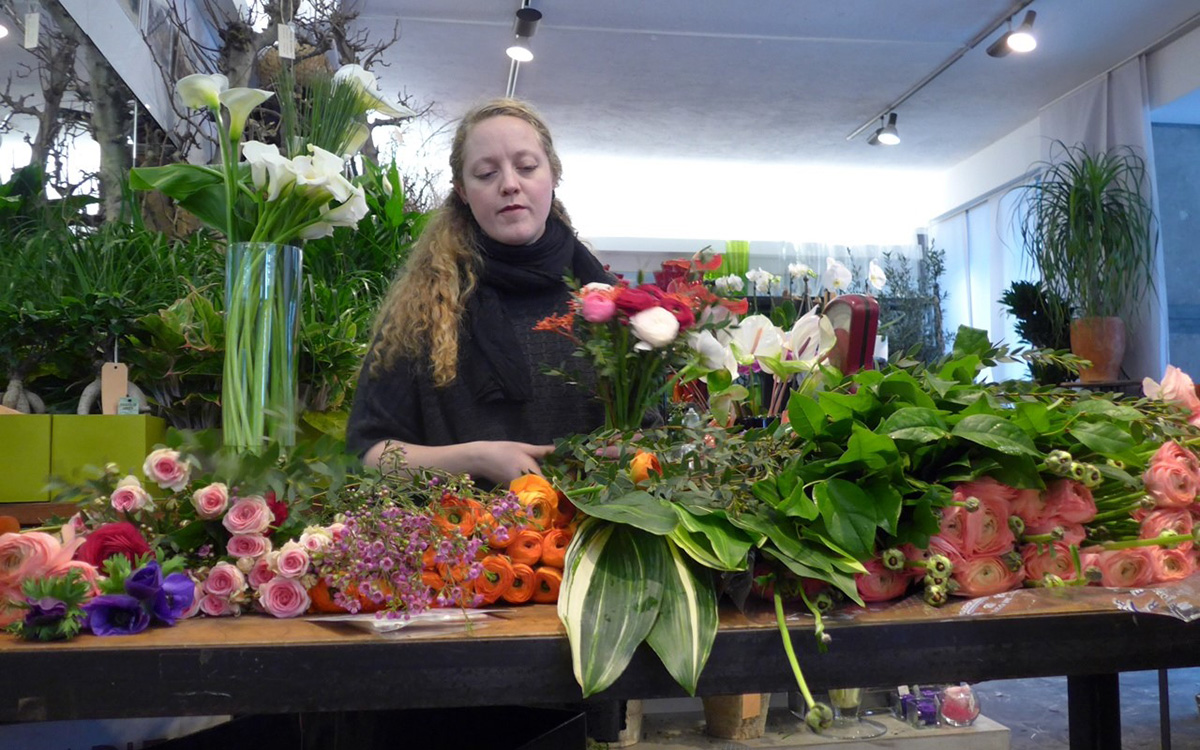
(525, 27)
(1020, 39)
(886, 134)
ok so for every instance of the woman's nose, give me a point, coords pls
(508, 182)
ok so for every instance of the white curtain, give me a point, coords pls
(1114, 110)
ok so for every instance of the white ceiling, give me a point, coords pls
(766, 80)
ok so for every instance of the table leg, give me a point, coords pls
(1094, 711)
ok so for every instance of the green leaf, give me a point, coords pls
(970, 341)
(904, 388)
(639, 509)
(728, 543)
(799, 505)
(996, 433)
(849, 515)
(806, 416)
(1104, 408)
(686, 627)
(916, 424)
(867, 450)
(888, 503)
(610, 598)
(1033, 418)
(1104, 438)
(1017, 471)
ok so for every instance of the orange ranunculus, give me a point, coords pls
(554, 547)
(546, 583)
(453, 574)
(526, 546)
(642, 464)
(427, 561)
(523, 585)
(454, 513)
(497, 577)
(431, 579)
(540, 512)
(322, 599)
(530, 487)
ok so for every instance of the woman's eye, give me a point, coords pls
(484, 176)
(527, 168)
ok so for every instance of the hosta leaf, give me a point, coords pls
(686, 627)
(639, 509)
(728, 543)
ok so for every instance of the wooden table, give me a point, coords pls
(255, 664)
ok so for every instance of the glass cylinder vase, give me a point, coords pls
(262, 311)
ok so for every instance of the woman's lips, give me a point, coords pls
(509, 209)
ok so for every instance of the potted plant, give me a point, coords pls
(1089, 227)
(1042, 316)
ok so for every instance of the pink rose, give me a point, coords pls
(1041, 560)
(218, 606)
(598, 306)
(250, 515)
(1168, 565)
(986, 531)
(130, 496)
(1172, 520)
(337, 530)
(211, 501)
(292, 561)
(981, 576)
(165, 468)
(1070, 501)
(225, 581)
(284, 597)
(248, 545)
(1171, 485)
(1125, 568)
(1030, 506)
(879, 584)
(261, 573)
(315, 539)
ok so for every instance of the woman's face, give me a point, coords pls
(507, 180)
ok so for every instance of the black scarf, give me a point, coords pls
(516, 268)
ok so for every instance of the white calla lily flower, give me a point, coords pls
(240, 102)
(837, 277)
(368, 86)
(268, 168)
(316, 231)
(754, 337)
(875, 276)
(358, 139)
(201, 90)
(350, 212)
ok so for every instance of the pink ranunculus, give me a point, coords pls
(28, 555)
(986, 531)
(879, 584)
(248, 545)
(292, 561)
(954, 528)
(598, 306)
(1174, 520)
(225, 581)
(87, 573)
(939, 545)
(1053, 559)
(1070, 501)
(260, 573)
(218, 606)
(981, 576)
(1125, 568)
(129, 496)
(1176, 388)
(1172, 452)
(284, 597)
(249, 515)
(1171, 485)
(1030, 506)
(167, 469)
(1170, 564)
(1073, 533)
(211, 501)
(985, 488)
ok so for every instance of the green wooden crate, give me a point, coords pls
(82, 444)
(24, 458)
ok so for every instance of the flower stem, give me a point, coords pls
(791, 652)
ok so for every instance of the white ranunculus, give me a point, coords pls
(655, 327)
(756, 336)
(268, 168)
(348, 213)
(240, 102)
(596, 286)
(875, 276)
(713, 354)
(201, 90)
(810, 339)
(358, 76)
(837, 276)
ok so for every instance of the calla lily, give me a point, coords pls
(316, 231)
(358, 138)
(837, 276)
(268, 168)
(201, 90)
(755, 337)
(350, 212)
(373, 98)
(323, 170)
(875, 276)
(240, 102)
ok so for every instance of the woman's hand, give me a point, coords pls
(498, 461)
(502, 461)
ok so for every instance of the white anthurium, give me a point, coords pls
(875, 276)
(714, 355)
(268, 168)
(837, 277)
(369, 87)
(350, 212)
(756, 337)
(201, 90)
(810, 340)
(240, 102)
(655, 327)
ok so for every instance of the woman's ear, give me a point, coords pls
(462, 194)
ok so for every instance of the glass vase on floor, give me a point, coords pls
(262, 310)
(847, 724)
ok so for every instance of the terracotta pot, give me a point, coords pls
(1102, 341)
(736, 717)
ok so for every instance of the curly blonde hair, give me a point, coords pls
(423, 310)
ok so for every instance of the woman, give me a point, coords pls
(454, 378)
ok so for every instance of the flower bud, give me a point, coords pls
(819, 717)
(892, 559)
(971, 504)
(1092, 476)
(1077, 470)
(1093, 574)
(939, 565)
(936, 596)
(932, 579)
(1012, 560)
(823, 602)
(1116, 463)
(1017, 525)
(1057, 533)
(1051, 581)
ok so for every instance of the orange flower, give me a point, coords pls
(642, 464)
(526, 547)
(432, 580)
(455, 513)
(497, 577)
(554, 547)
(546, 583)
(538, 498)
(523, 585)
(322, 599)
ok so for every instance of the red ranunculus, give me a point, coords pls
(633, 301)
(112, 539)
(279, 509)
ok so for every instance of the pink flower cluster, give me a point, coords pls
(1176, 388)
(35, 554)
(980, 543)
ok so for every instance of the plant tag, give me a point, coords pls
(751, 705)
(114, 385)
(287, 42)
(127, 406)
(33, 22)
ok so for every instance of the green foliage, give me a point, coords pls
(1041, 315)
(910, 304)
(70, 589)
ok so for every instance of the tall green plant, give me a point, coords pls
(1088, 225)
